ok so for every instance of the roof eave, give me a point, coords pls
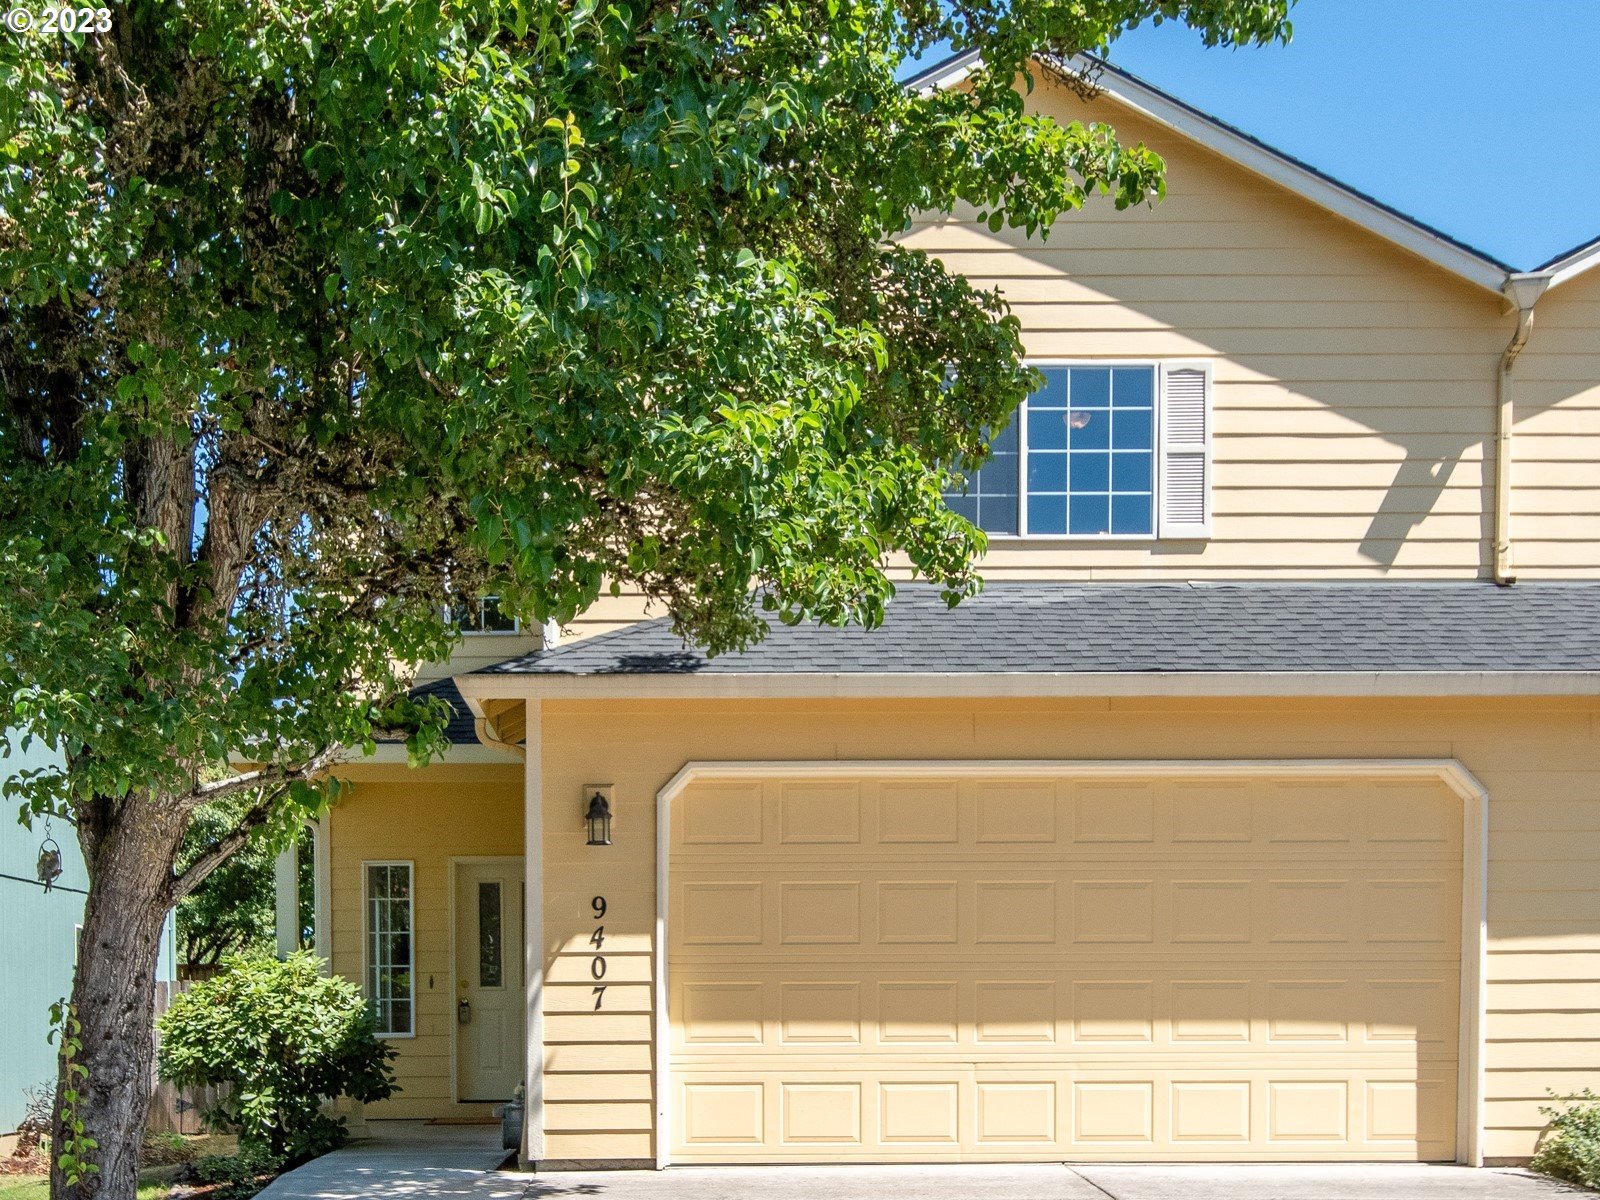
(1572, 264)
(1033, 684)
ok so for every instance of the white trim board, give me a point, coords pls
(533, 936)
(1571, 265)
(410, 864)
(837, 684)
(1449, 771)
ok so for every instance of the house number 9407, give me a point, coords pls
(597, 939)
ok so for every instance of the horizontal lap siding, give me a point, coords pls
(426, 817)
(1354, 384)
(1556, 505)
(1539, 759)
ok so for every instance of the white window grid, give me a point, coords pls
(1022, 534)
(381, 924)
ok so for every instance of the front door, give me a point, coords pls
(489, 996)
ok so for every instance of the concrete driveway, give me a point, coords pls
(413, 1161)
(1051, 1182)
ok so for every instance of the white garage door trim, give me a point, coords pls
(1474, 873)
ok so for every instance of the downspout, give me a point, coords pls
(1522, 291)
(489, 734)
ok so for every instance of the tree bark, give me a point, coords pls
(113, 996)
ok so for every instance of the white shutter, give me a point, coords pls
(1185, 451)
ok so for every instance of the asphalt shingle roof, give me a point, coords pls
(1114, 627)
(462, 729)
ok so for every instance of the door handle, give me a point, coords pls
(463, 1013)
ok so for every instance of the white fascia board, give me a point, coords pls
(1263, 161)
(458, 753)
(1033, 684)
(1573, 265)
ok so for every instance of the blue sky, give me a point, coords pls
(1480, 117)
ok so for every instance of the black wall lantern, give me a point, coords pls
(597, 816)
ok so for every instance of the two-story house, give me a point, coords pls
(1253, 811)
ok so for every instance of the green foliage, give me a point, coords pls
(317, 317)
(549, 296)
(1570, 1147)
(237, 1176)
(75, 1147)
(285, 1038)
(232, 910)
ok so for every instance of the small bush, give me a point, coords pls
(1570, 1147)
(236, 1177)
(286, 1038)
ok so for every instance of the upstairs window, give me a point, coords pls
(1100, 451)
(483, 615)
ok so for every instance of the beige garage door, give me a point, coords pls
(940, 969)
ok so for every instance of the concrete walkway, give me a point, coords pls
(407, 1160)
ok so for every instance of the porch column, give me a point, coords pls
(533, 935)
(286, 901)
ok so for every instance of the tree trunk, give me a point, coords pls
(113, 993)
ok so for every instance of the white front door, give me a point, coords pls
(489, 995)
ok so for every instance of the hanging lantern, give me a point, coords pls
(49, 868)
(598, 818)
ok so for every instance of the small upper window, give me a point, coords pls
(1081, 457)
(483, 615)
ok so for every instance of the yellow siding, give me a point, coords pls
(427, 817)
(1354, 384)
(1539, 759)
(1556, 498)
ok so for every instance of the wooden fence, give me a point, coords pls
(174, 1109)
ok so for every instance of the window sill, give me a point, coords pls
(1100, 539)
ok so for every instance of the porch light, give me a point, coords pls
(598, 818)
(49, 868)
(1077, 419)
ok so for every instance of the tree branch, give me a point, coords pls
(270, 776)
(277, 779)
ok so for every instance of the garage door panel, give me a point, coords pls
(1385, 1018)
(930, 969)
(1361, 820)
(1368, 912)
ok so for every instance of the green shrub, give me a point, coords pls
(1570, 1147)
(236, 1176)
(285, 1038)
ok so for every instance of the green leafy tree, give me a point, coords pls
(283, 1038)
(315, 315)
(233, 910)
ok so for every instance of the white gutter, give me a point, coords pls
(1522, 291)
(746, 685)
(1570, 266)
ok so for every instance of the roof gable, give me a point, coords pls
(1399, 229)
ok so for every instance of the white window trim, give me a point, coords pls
(516, 629)
(366, 937)
(1157, 433)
